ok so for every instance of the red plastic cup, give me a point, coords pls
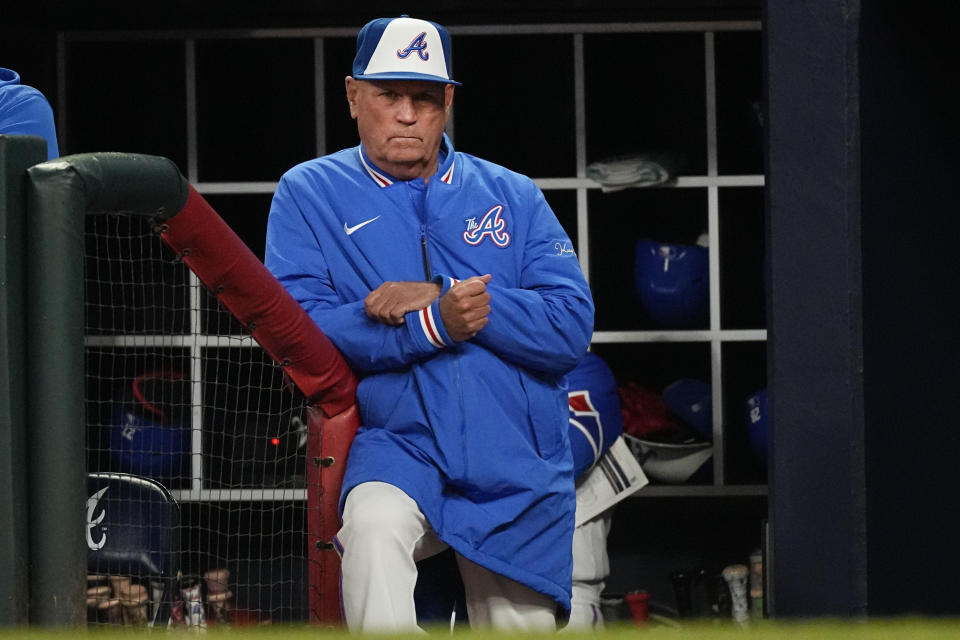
(638, 606)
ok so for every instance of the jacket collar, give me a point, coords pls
(445, 168)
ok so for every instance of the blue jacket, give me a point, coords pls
(475, 432)
(25, 111)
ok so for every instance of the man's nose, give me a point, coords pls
(406, 110)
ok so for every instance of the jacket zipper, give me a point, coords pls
(426, 257)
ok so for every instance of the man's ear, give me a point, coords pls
(352, 88)
(448, 101)
(448, 96)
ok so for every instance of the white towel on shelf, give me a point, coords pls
(634, 170)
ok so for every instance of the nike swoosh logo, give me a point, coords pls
(350, 230)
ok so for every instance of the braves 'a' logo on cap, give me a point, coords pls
(418, 44)
(492, 225)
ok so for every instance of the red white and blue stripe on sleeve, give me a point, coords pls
(430, 316)
(430, 327)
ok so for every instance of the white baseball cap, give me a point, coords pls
(403, 48)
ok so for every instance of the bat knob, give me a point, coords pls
(736, 576)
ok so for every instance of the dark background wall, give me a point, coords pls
(863, 346)
(910, 231)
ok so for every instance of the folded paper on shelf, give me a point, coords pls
(616, 476)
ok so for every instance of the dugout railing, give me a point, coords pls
(44, 303)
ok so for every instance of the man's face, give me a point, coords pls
(401, 123)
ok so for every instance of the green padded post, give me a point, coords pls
(17, 153)
(55, 407)
(59, 194)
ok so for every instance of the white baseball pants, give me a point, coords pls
(384, 534)
(591, 566)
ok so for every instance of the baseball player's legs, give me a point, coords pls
(591, 566)
(384, 534)
(585, 610)
(495, 601)
(591, 563)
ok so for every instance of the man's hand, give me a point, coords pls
(389, 302)
(465, 306)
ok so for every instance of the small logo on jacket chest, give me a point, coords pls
(491, 225)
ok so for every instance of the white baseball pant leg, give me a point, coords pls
(384, 534)
(495, 601)
(591, 566)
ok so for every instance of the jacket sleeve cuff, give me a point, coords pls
(426, 325)
(445, 283)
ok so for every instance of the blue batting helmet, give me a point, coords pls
(757, 424)
(595, 420)
(150, 432)
(673, 282)
(691, 401)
